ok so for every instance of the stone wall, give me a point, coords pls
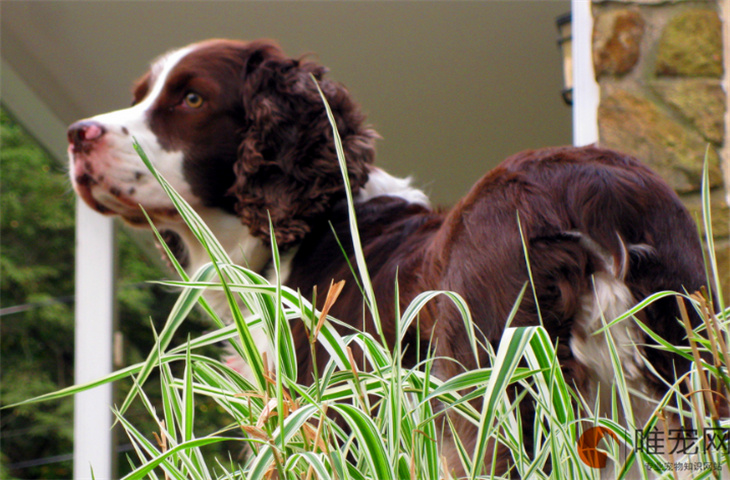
(660, 68)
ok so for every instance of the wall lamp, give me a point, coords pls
(565, 42)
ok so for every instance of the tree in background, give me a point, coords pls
(36, 277)
(36, 308)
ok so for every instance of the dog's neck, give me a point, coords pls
(242, 248)
(251, 252)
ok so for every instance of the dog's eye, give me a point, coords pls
(193, 100)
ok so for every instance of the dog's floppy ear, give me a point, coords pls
(287, 166)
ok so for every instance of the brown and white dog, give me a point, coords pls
(240, 131)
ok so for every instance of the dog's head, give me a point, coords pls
(231, 125)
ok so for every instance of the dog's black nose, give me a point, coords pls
(82, 135)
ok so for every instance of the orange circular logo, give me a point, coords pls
(588, 446)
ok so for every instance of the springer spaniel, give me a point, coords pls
(240, 131)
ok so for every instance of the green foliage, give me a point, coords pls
(36, 269)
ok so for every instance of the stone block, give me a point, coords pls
(701, 102)
(637, 126)
(691, 45)
(616, 41)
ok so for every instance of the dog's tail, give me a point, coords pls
(637, 239)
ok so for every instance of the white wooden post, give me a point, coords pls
(94, 312)
(585, 89)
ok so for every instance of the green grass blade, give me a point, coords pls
(316, 461)
(184, 304)
(509, 354)
(188, 398)
(370, 440)
(292, 426)
(709, 237)
(354, 231)
(145, 469)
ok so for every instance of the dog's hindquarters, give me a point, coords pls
(601, 233)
